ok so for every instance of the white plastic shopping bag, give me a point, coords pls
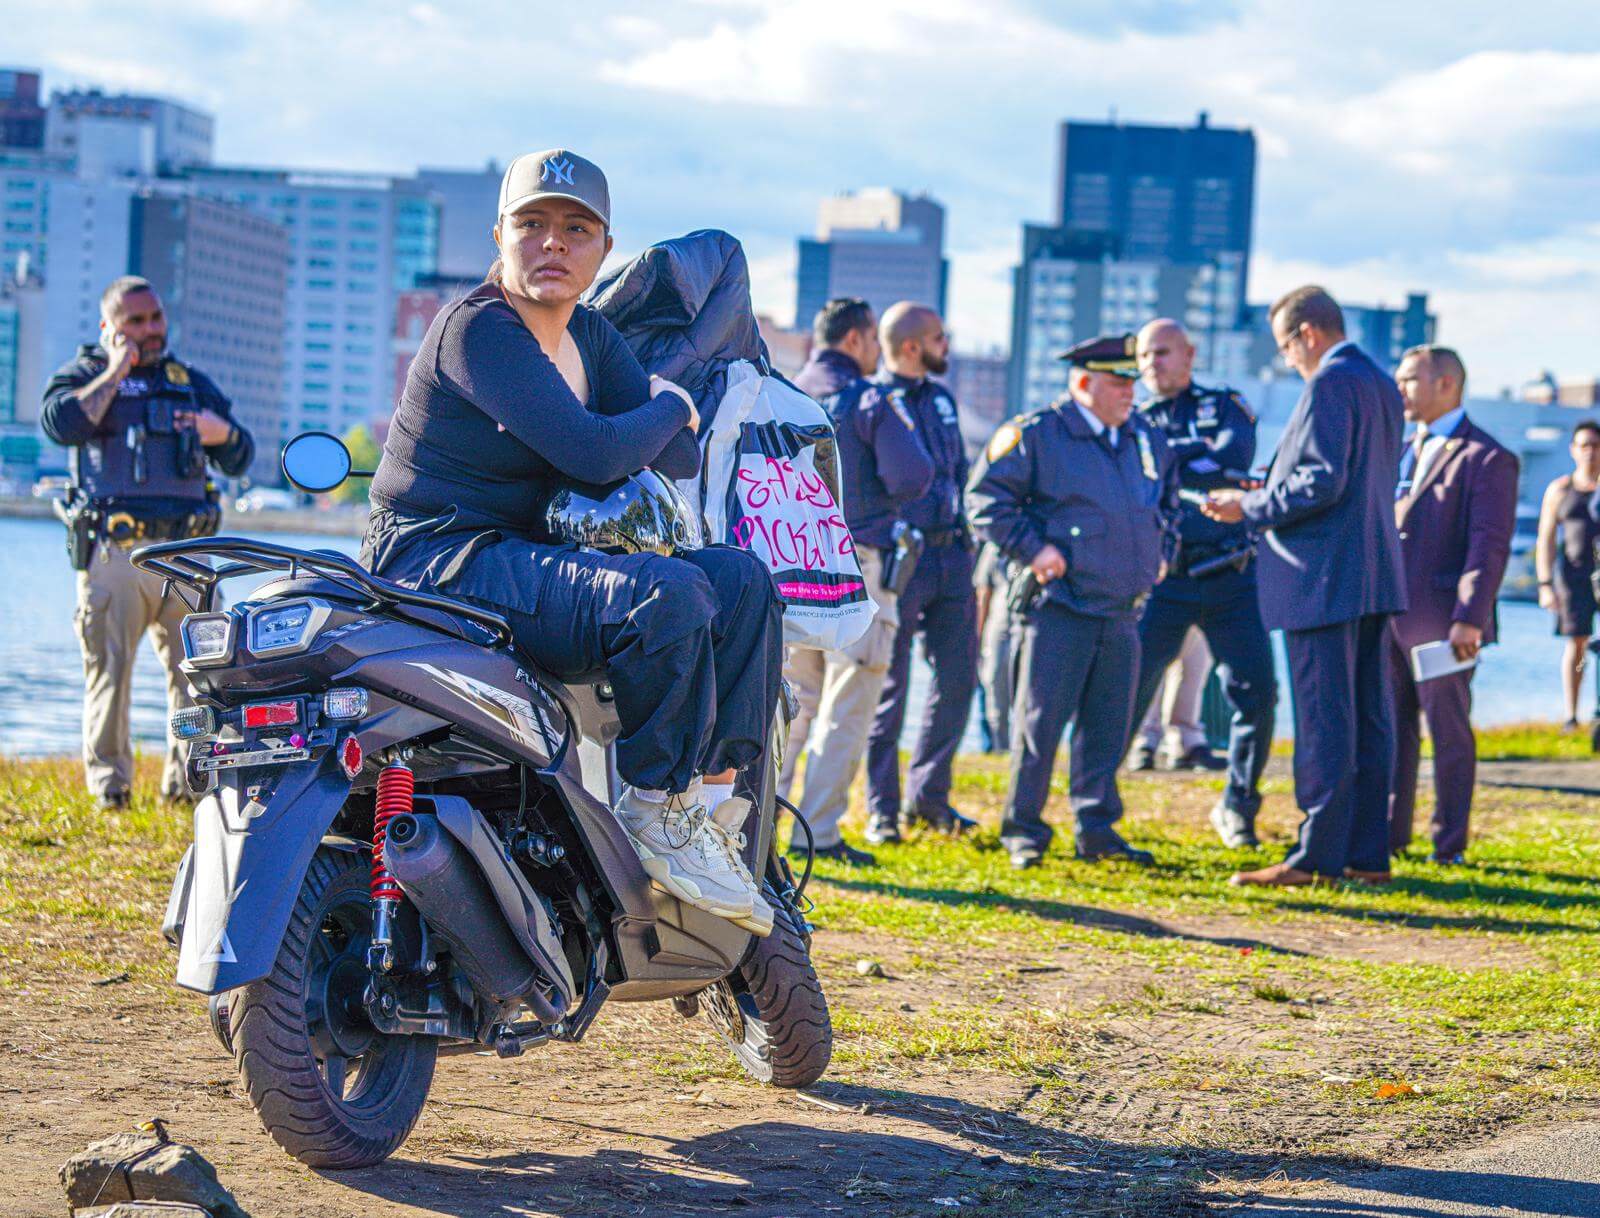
(770, 484)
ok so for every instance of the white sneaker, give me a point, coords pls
(727, 821)
(685, 851)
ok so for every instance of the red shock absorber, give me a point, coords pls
(396, 783)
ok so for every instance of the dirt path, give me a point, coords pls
(566, 1132)
(594, 1130)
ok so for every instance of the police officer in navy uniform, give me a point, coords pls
(1212, 583)
(1081, 498)
(939, 603)
(142, 426)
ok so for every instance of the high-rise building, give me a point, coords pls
(86, 247)
(878, 244)
(120, 132)
(467, 199)
(1150, 222)
(1160, 194)
(22, 373)
(22, 114)
(25, 181)
(339, 317)
(222, 273)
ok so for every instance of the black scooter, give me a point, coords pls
(405, 846)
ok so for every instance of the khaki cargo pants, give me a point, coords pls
(117, 604)
(838, 695)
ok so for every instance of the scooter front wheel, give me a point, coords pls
(330, 1088)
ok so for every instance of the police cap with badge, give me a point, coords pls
(1113, 353)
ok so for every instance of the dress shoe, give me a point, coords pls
(883, 831)
(843, 852)
(1372, 879)
(943, 820)
(1279, 875)
(1025, 855)
(1232, 826)
(1110, 845)
(1449, 860)
(1141, 757)
(1200, 758)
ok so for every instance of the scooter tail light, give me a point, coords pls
(350, 757)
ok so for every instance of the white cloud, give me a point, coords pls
(1398, 150)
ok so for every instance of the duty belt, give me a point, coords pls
(944, 537)
(123, 529)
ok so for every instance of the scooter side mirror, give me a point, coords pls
(316, 462)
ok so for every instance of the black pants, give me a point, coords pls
(693, 647)
(1078, 670)
(1343, 744)
(939, 603)
(1226, 609)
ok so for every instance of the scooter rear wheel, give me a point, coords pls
(331, 1090)
(772, 1011)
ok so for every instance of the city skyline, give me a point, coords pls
(1475, 140)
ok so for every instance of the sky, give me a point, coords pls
(1452, 149)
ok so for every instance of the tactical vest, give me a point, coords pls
(139, 453)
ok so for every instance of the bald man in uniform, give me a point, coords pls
(938, 603)
(1212, 584)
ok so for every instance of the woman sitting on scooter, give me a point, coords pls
(516, 390)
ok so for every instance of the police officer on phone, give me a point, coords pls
(143, 427)
(1212, 583)
(1081, 499)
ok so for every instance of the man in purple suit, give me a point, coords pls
(1455, 507)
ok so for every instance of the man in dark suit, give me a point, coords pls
(1329, 576)
(1455, 507)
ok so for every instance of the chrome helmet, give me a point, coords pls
(643, 513)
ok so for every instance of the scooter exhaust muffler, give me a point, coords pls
(446, 884)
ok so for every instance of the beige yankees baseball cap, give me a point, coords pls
(555, 174)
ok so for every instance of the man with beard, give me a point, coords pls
(938, 603)
(142, 426)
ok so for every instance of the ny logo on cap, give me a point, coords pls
(562, 170)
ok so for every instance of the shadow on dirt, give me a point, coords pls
(927, 1153)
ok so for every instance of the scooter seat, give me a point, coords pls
(284, 587)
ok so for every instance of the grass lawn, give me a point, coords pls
(1215, 1035)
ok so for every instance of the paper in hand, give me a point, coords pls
(1432, 660)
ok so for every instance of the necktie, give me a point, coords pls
(1417, 441)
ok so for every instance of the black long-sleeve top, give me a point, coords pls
(487, 424)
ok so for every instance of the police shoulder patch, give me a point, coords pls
(177, 374)
(1003, 441)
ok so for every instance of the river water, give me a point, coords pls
(41, 673)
